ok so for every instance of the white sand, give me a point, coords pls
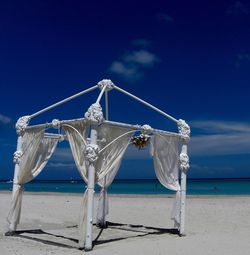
(215, 225)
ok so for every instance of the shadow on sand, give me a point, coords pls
(140, 231)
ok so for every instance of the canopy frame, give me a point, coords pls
(94, 117)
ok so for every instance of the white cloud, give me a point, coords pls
(63, 155)
(212, 126)
(62, 158)
(220, 144)
(212, 170)
(132, 65)
(126, 71)
(4, 119)
(220, 138)
(61, 165)
(141, 57)
(212, 138)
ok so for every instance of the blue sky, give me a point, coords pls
(189, 58)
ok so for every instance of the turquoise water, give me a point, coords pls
(194, 187)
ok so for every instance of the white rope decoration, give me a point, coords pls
(17, 156)
(184, 129)
(21, 124)
(91, 152)
(184, 162)
(94, 113)
(56, 123)
(105, 83)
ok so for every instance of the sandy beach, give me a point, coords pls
(138, 225)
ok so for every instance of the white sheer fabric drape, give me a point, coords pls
(36, 151)
(164, 150)
(106, 166)
(76, 133)
(77, 137)
(109, 162)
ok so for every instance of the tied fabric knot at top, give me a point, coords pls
(94, 114)
(21, 124)
(91, 152)
(184, 129)
(106, 82)
(56, 123)
(146, 129)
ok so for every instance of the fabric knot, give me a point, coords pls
(146, 129)
(184, 162)
(18, 185)
(56, 123)
(184, 129)
(17, 156)
(108, 83)
(21, 124)
(91, 152)
(94, 114)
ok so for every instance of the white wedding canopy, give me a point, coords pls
(98, 146)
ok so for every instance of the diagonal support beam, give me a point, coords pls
(145, 103)
(63, 101)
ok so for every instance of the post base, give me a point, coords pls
(102, 224)
(182, 235)
(88, 249)
(10, 233)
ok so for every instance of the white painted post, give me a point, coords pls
(183, 190)
(184, 132)
(90, 203)
(13, 225)
(106, 105)
(103, 221)
(95, 116)
(21, 124)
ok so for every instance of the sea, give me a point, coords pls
(141, 187)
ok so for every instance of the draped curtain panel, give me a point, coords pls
(106, 166)
(76, 133)
(36, 151)
(109, 162)
(164, 150)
